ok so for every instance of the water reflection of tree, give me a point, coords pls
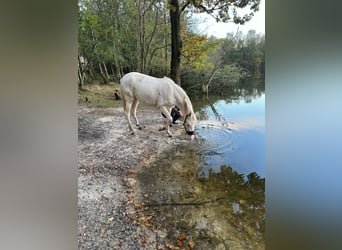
(234, 94)
(248, 193)
(245, 88)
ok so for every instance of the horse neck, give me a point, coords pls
(179, 96)
(181, 104)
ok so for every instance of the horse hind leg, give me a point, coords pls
(135, 104)
(127, 108)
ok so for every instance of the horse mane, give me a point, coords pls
(188, 108)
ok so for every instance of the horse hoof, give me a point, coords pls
(140, 127)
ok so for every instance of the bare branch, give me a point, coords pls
(184, 6)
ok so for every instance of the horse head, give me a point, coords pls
(190, 119)
(190, 123)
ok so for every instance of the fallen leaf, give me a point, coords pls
(110, 219)
(145, 218)
(171, 246)
(102, 232)
(181, 237)
(143, 163)
(143, 240)
(191, 244)
(146, 224)
(131, 171)
(138, 206)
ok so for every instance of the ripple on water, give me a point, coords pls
(215, 137)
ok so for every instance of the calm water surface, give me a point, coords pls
(232, 133)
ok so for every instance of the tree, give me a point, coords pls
(118, 36)
(196, 49)
(221, 10)
(225, 67)
(150, 16)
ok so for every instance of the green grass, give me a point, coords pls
(99, 95)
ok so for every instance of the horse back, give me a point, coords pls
(148, 89)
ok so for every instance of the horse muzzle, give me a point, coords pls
(190, 132)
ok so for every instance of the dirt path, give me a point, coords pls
(107, 153)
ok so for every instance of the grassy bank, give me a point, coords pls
(99, 95)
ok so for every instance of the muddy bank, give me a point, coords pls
(146, 191)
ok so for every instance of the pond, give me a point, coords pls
(232, 132)
(210, 193)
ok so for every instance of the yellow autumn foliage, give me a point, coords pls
(195, 50)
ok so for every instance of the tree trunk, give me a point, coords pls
(206, 87)
(149, 42)
(166, 47)
(106, 71)
(80, 79)
(91, 70)
(175, 41)
(117, 65)
(102, 73)
(141, 34)
(81, 72)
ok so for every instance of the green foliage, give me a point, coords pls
(226, 10)
(237, 57)
(247, 51)
(115, 33)
(195, 51)
(135, 35)
(227, 77)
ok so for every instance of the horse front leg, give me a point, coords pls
(168, 116)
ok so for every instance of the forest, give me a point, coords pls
(160, 38)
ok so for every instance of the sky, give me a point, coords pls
(219, 30)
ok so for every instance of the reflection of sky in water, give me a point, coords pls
(253, 112)
(240, 143)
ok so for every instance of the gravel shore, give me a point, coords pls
(107, 153)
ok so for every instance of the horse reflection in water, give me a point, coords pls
(160, 92)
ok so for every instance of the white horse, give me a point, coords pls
(160, 92)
